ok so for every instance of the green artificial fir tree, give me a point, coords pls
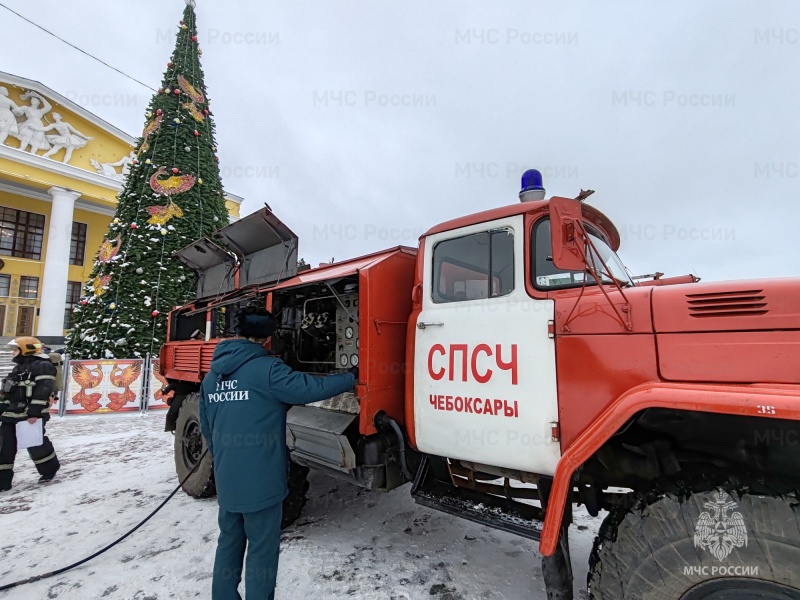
(172, 196)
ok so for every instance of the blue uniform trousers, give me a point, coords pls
(260, 531)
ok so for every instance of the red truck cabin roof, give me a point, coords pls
(589, 212)
(487, 215)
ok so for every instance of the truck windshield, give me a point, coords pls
(547, 276)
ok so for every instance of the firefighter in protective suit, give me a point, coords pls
(243, 405)
(26, 396)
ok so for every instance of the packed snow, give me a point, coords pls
(349, 543)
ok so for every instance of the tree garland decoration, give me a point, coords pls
(109, 251)
(176, 184)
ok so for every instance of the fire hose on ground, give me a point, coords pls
(8, 586)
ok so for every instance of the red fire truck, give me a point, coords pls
(511, 368)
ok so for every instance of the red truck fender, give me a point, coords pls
(761, 400)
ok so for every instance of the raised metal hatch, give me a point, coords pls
(260, 247)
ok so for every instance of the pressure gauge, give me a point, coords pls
(348, 333)
(354, 360)
(343, 360)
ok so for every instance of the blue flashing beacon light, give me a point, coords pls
(532, 188)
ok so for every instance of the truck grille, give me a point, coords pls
(193, 358)
(187, 359)
(744, 303)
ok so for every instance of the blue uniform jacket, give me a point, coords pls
(243, 405)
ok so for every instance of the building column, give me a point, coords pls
(56, 265)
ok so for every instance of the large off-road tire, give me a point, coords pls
(189, 446)
(298, 488)
(688, 541)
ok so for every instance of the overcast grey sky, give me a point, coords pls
(364, 122)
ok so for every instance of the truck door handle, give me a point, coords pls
(423, 325)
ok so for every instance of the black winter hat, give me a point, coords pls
(254, 323)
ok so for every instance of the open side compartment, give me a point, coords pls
(318, 325)
(333, 318)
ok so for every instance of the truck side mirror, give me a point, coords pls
(565, 234)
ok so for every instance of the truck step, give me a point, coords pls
(499, 513)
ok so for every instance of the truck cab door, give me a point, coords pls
(484, 361)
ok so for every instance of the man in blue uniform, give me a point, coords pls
(243, 405)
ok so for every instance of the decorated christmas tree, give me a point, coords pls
(172, 196)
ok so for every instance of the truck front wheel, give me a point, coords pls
(189, 447)
(686, 542)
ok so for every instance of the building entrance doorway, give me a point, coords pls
(25, 321)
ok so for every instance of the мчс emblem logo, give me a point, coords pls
(718, 532)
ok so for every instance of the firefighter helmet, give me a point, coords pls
(28, 346)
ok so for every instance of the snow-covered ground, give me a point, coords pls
(349, 544)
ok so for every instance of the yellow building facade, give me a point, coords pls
(61, 168)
